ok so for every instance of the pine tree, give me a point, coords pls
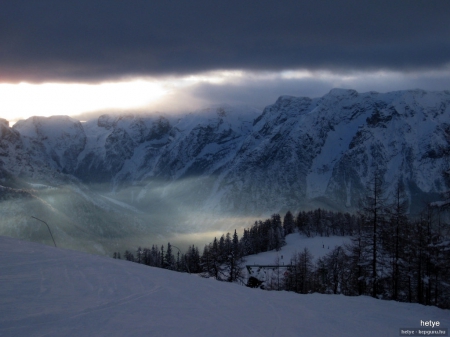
(155, 259)
(193, 259)
(234, 260)
(264, 228)
(300, 221)
(276, 220)
(139, 253)
(169, 259)
(162, 256)
(246, 243)
(374, 210)
(206, 262)
(222, 251)
(178, 264)
(288, 223)
(278, 239)
(394, 236)
(129, 256)
(255, 238)
(216, 261)
(359, 259)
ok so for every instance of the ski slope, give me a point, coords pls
(318, 246)
(46, 291)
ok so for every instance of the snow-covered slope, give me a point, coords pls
(52, 292)
(318, 246)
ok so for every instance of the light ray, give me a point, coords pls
(24, 99)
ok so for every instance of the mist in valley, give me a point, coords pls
(100, 219)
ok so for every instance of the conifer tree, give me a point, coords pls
(216, 261)
(359, 259)
(246, 243)
(162, 258)
(288, 223)
(206, 262)
(234, 260)
(178, 264)
(395, 235)
(373, 208)
(169, 258)
(139, 253)
(129, 256)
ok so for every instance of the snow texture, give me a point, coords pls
(47, 291)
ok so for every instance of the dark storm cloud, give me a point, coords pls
(94, 40)
(259, 91)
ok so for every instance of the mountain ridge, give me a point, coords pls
(297, 153)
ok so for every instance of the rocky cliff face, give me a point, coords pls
(305, 151)
(298, 153)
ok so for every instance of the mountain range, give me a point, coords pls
(120, 179)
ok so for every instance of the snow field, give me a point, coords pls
(47, 291)
(318, 246)
(295, 243)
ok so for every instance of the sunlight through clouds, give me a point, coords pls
(215, 77)
(172, 94)
(24, 100)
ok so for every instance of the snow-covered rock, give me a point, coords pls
(57, 139)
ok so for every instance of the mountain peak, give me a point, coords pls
(4, 122)
(342, 92)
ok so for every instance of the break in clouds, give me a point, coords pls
(191, 55)
(170, 95)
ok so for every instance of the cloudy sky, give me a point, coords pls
(69, 57)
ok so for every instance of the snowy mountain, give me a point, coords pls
(326, 149)
(57, 292)
(215, 169)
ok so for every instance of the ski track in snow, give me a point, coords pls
(88, 295)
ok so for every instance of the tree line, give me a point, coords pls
(223, 258)
(164, 257)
